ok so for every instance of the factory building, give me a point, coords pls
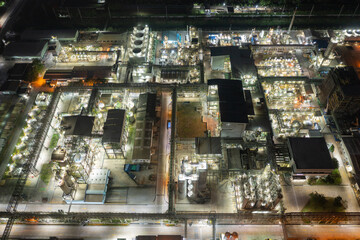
(234, 109)
(309, 156)
(78, 73)
(192, 180)
(351, 149)
(340, 91)
(25, 50)
(94, 191)
(63, 35)
(140, 45)
(114, 136)
(145, 118)
(208, 149)
(240, 59)
(174, 75)
(77, 125)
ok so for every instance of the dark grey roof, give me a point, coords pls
(19, 70)
(233, 107)
(146, 106)
(114, 126)
(310, 153)
(78, 125)
(146, 238)
(60, 34)
(249, 103)
(174, 74)
(25, 49)
(92, 72)
(352, 145)
(241, 61)
(348, 80)
(208, 145)
(10, 87)
(55, 74)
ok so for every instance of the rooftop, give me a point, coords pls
(78, 125)
(19, 70)
(233, 107)
(240, 58)
(10, 87)
(310, 153)
(114, 126)
(208, 145)
(60, 34)
(146, 106)
(25, 49)
(352, 145)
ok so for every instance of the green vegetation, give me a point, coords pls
(46, 172)
(319, 203)
(332, 179)
(189, 121)
(54, 140)
(37, 68)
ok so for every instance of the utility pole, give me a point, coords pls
(292, 21)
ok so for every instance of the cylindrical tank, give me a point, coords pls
(66, 189)
(182, 187)
(68, 181)
(202, 179)
(195, 183)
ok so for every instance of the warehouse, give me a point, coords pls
(64, 35)
(351, 148)
(113, 137)
(144, 128)
(233, 107)
(25, 50)
(78, 125)
(309, 156)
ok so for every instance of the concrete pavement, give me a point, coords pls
(195, 231)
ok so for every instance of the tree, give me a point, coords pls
(317, 197)
(37, 67)
(338, 201)
(335, 163)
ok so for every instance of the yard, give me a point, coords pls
(189, 121)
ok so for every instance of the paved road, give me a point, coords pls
(161, 184)
(132, 208)
(196, 231)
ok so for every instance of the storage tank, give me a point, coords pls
(182, 184)
(66, 189)
(68, 181)
(202, 179)
(195, 182)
